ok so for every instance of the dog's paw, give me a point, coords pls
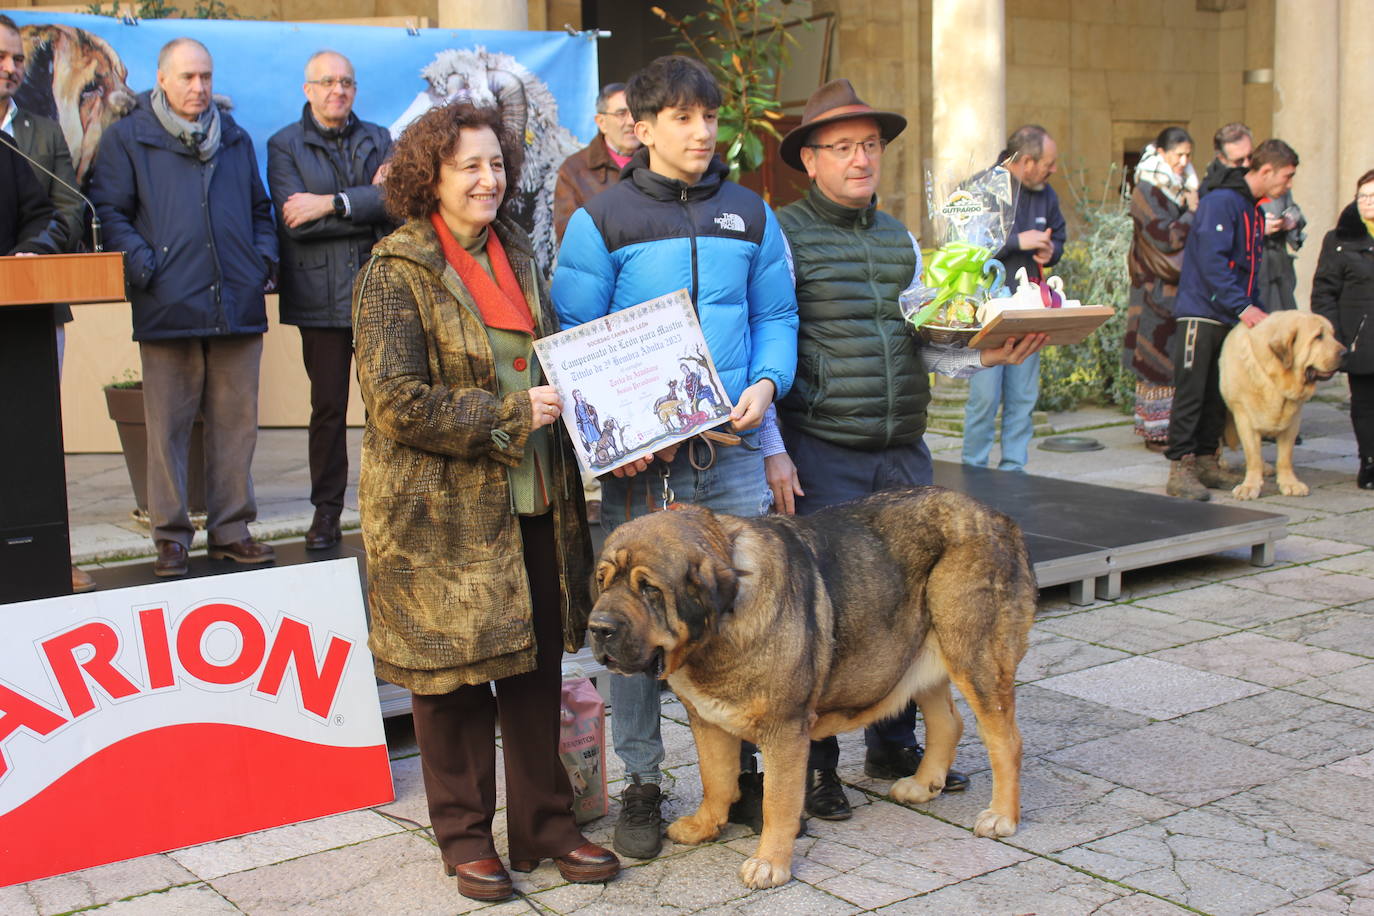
(693, 830)
(992, 824)
(1246, 490)
(758, 872)
(909, 791)
(1293, 487)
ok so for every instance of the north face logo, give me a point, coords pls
(732, 222)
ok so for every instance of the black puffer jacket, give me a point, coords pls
(1343, 289)
(860, 380)
(319, 259)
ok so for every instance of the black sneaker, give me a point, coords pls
(825, 796)
(1365, 479)
(900, 762)
(639, 829)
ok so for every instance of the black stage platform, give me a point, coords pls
(1088, 535)
(1078, 534)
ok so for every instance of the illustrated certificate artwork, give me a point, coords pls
(634, 382)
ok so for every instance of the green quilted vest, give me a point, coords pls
(860, 380)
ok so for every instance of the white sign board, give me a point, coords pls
(143, 719)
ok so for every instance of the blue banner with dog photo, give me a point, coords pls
(84, 71)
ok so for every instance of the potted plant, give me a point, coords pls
(124, 399)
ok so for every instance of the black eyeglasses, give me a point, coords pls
(844, 150)
(329, 82)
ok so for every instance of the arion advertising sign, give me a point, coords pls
(144, 719)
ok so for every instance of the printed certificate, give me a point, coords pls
(634, 382)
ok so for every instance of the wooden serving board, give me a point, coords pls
(1065, 326)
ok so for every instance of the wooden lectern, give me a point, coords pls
(35, 551)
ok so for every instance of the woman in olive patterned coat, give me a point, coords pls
(478, 555)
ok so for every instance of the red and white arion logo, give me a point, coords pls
(84, 658)
(158, 716)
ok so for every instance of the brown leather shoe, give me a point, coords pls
(324, 530)
(588, 864)
(171, 559)
(81, 581)
(485, 879)
(248, 550)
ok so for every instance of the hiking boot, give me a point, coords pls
(899, 762)
(825, 796)
(1211, 473)
(639, 829)
(1365, 478)
(1183, 481)
(748, 808)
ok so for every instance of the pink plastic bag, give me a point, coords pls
(582, 747)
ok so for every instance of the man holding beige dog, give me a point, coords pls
(1218, 286)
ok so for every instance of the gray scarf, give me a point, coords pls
(201, 136)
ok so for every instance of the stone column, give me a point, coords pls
(1307, 65)
(506, 15)
(1357, 126)
(968, 71)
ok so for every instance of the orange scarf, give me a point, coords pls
(502, 301)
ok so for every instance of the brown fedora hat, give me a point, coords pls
(835, 101)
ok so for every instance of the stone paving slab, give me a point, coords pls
(400, 873)
(1323, 807)
(1215, 863)
(1049, 654)
(1132, 629)
(1261, 659)
(214, 860)
(1060, 807)
(1040, 887)
(1159, 689)
(1177, 764)
(1353, 898)
(1350, 629)
(1227, 604)
(1312, 731)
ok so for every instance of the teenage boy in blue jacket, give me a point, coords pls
(675, 222)
(1219, 286)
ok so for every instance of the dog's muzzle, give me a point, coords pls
(613, 647)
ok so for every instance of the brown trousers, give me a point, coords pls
(455, 732)
(327, 353)
(217, 376)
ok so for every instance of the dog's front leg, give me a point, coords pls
(784, 790)
(1287, 479)
(1249, 488)
(718, 758)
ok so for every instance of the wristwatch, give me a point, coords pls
(340, 208)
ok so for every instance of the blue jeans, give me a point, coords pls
(1015, 389)
(832, 474)
(734, 485)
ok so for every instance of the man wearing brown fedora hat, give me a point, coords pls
(854, 421)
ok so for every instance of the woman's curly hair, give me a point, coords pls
(413, 176)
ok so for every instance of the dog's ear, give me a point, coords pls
(709, 592)
(606, 571)
(1283, 345)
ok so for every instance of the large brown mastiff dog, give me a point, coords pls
(783, 629)
(1267, 373)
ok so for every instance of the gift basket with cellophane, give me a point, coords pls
(971, 220)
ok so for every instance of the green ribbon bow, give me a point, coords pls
(956, 269)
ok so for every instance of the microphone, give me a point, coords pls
(95, 219)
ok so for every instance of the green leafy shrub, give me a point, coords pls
(1094, 271)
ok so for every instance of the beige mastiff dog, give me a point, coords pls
(783, 629)
(1267, 373)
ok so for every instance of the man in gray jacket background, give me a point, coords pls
(325, 174)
